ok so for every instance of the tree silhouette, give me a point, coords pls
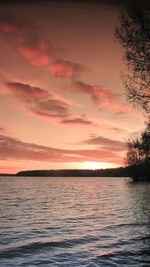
(145, 143)
(133, 34)
(138, 154)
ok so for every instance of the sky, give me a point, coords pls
(62, 100)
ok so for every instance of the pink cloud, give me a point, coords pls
(65, 101)
(27, 38)
(10, 23)
(117, 130)
(51, 108)
(38, 52)
(39, 101)
(62, 68)
(61, 71)
(34, 47)
(63, 118)
(2, 129)
(97, 93)
(27, 92)
(44, 104)
(105, 143)
(104, 98)
(7, 27)
(118, 107)
(35, 56)
(33, 93)
(100, 155)
(14, 149)
(45, 116)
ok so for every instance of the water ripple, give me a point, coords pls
(74, 222)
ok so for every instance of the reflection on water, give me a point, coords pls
(74, 222)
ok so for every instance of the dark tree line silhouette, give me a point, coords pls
(138, 154)
(115, 172)
(133, 34)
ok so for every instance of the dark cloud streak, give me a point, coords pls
(43, 104)
(77, 121)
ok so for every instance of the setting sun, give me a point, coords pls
(93, 165)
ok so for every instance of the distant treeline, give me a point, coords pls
(140, 172)
(7, 174)
(73, 172)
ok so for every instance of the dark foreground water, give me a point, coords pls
(74, 222)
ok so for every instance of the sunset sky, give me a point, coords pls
(62, 101)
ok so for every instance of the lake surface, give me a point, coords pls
(74, 222)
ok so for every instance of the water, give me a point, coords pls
(74, 222)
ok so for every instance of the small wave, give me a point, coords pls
(32, 247)
(121, 225)
(123, 258)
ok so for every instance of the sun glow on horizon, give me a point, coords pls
(93, 165)
(15, 167)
